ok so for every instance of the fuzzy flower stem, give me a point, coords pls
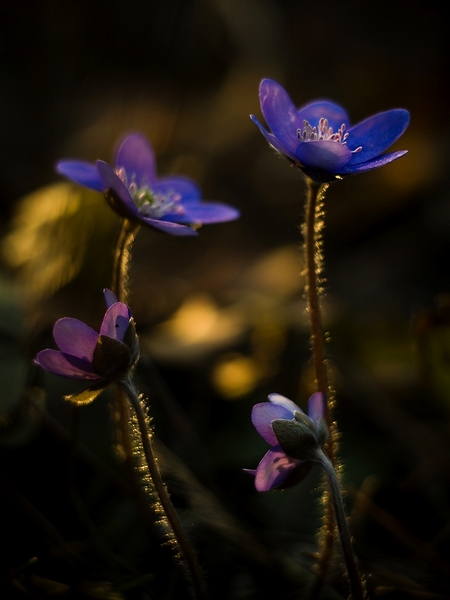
(122, 260)
(342, 526)
(312, 227)
(312, 231)
(120, 286)
(161, 490)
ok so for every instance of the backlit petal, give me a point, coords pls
(316, 406)
(168, 227)
(188, 190)
(278, 146)
(280, 114)
(116, 321)
(112, 182)
(324, 155)
(273, 469)
(136, 156)
(262, 416)
(75, 338)
(376, 163)
(208, 212)
(376, 134)
(81, 172)
(55, 362)
(110, 297)
(287, 404)
(323, 109)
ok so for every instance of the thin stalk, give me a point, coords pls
(122, 260)
(313, 268)
(161, 490)
(313, 258)
(120, 287)
(342, 526)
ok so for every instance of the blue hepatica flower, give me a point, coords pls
(132, 188)
(96, 358)
(296, 439)
(318, 137)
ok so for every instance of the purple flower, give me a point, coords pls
(318, 138)
(296, 439)
(96, 358)
(132, 188)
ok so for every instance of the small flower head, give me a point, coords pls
(97, 358)
(296, 439)
(318, 137)
(132, 188)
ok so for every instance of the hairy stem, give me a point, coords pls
(313, 227)
(122, 260)
(342, 526)
(313, 259)
(120, 287)
(161, 490)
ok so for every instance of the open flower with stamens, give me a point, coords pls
(96, 358)
(132, 188)
(296, 439)
(318, 137)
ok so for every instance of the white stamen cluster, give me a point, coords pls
(149, 203)
(323, 133)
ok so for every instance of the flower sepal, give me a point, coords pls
(112, 358)
(87, 395)
(300, 438)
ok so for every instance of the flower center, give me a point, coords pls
(323, 133)
(149, 203)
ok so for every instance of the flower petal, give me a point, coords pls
(116, 321)
(316, 406)
(75, 338)
(210, 212)
(185, 187)
(278, 146)
(376, 134)
(136, 156)
(262, 416)
(110, 297)
(371, 164)
(56, 362)
(280, 114)
(81, 172)
(273, 469)
(167, 226)
(324, 155)
(290, 406)
(112, 182)
(323, 109)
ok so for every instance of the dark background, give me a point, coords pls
(74, 77)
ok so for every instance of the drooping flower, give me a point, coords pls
(318, 137)
(171, 204)
(296, 439)
(96, 358)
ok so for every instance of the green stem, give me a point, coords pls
(342, 525)
(161, 490)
